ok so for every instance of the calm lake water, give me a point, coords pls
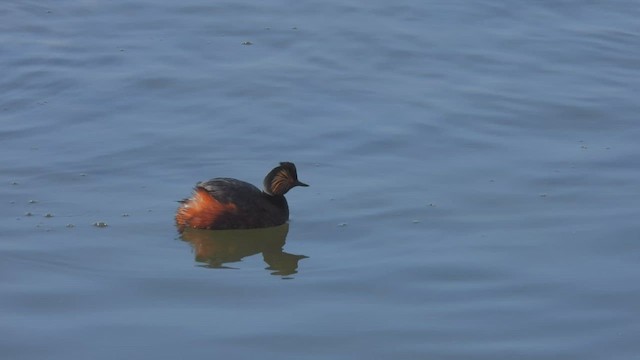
(473, 165)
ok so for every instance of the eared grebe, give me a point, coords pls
(224, 203)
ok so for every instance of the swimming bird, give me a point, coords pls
(226, 203)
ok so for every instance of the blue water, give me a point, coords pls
(473, 166)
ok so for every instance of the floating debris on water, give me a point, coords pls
(100, 224)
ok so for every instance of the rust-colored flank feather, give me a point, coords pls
(202, 210)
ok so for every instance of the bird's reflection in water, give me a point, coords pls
(215, 248)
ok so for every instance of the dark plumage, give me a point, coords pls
(225, 203)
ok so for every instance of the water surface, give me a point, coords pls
(473, 169)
